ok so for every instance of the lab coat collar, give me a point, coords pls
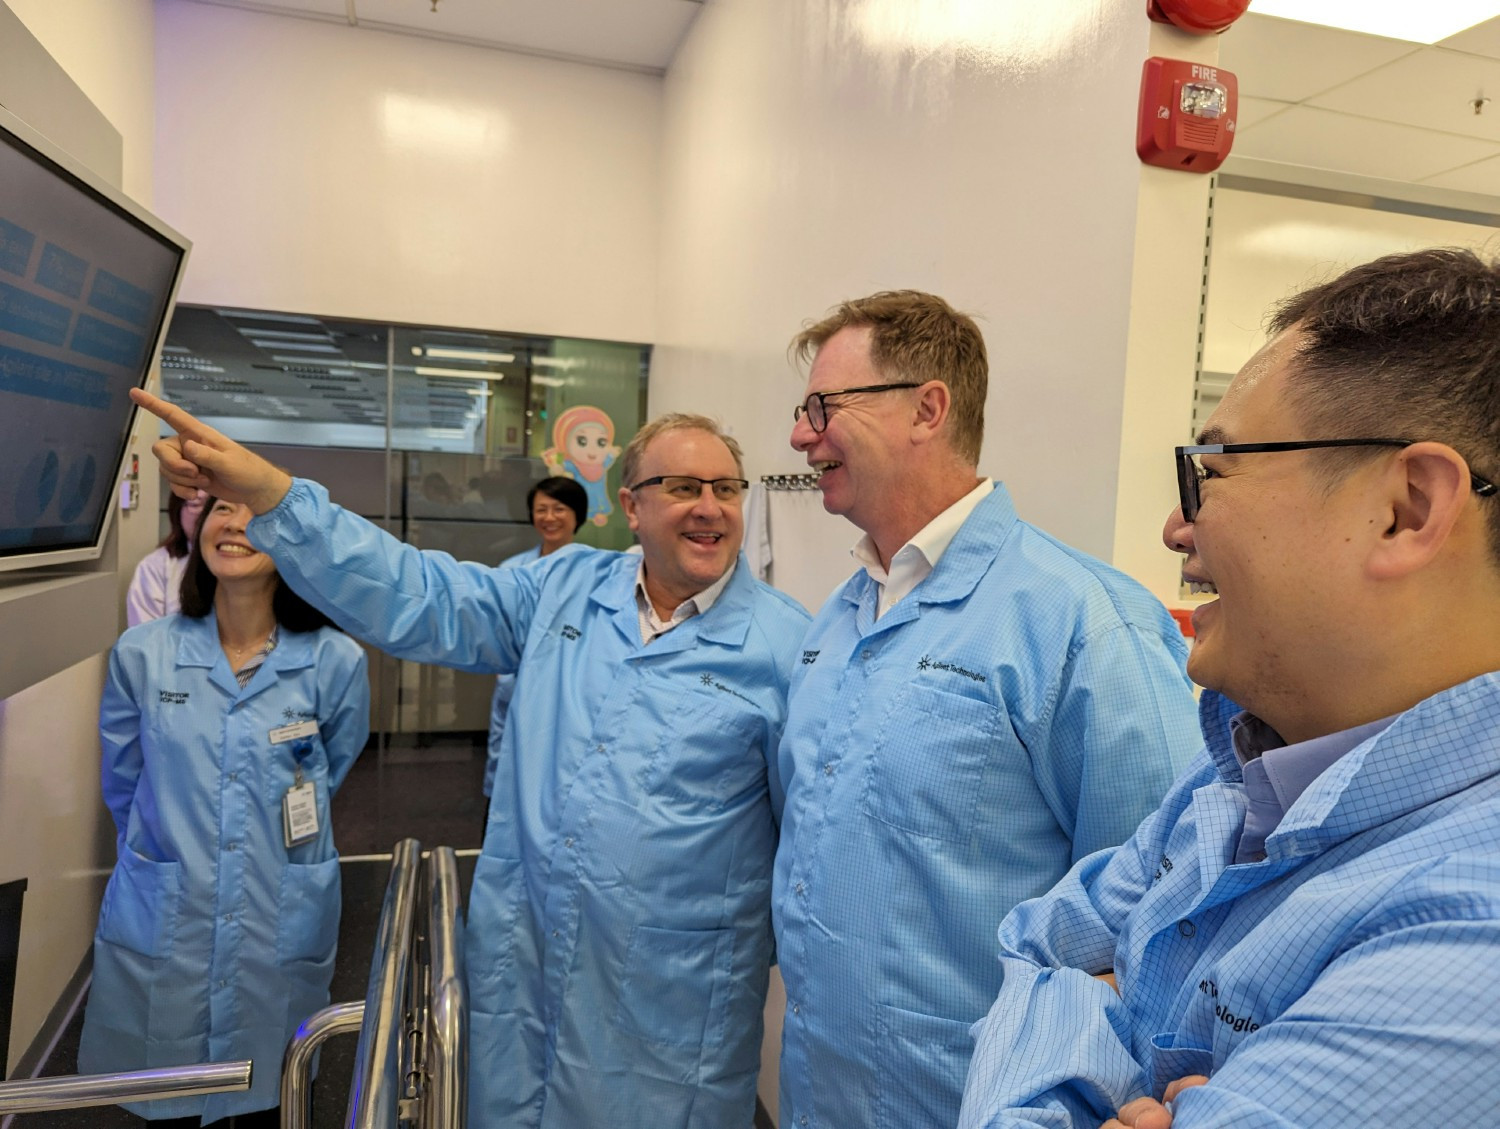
(971, 553)
(727, 622)
(199, 647)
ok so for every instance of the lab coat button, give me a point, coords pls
(866, 656)
(231, 846)
(1186, 928)
(799, 887)
(828, 769)
(568, 842)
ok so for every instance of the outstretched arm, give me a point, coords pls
(200, 458)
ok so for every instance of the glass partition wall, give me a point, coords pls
(434, 433)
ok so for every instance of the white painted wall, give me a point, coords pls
(106, 46)
(343, 171)
(821, 149)
(55, 833)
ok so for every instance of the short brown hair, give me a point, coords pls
(1406, 346)
(630, 461)
(918, 336)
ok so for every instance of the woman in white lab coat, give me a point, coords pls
(155, 587)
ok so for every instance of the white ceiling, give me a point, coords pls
(1309, 95)
(1362, 104)
(635, 34)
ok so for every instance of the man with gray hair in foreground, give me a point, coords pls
(1304, 933)
(619, 938)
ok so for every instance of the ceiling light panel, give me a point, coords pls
(1415, 22)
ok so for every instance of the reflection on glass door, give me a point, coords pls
(435, 433)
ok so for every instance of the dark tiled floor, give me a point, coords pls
(431, 793)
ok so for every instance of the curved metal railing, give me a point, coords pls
(296, 1071)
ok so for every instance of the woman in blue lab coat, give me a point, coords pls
(558, 506)
(225, 732)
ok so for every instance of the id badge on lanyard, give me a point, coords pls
(299, 807)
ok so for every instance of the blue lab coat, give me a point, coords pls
(1023, 706)
(215, 941)
(619, 936)
(505, 684)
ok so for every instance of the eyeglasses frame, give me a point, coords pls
(1189, 482)
(822, 398)
(659, 479)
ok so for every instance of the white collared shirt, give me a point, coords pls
(652, 624)
(919, 556)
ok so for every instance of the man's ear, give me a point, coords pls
(627, 503)
(934, 401)
(1427, 488)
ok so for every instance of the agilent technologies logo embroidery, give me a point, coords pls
(709, 680)
(927, 662)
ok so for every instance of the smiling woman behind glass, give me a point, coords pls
(225, 732)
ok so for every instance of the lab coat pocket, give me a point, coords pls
(141, 905)
(308, 911)
(927, 768)
(1174, 1060)
(675, 987)
(918, 1048)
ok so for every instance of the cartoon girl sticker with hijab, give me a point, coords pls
(583, 449)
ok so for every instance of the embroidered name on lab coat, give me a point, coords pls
(571, 632)
(710, 680)
(1237, 1023)
(173, 697)
(927, 662)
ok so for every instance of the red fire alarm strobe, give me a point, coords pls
(1201, 17)
(1187, 115)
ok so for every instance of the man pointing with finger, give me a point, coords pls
(619, 924)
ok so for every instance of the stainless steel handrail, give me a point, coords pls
(296, 1071)
(445, 1101)
(76, 1091)
(376, 1089)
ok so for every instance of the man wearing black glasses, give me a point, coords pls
(1304, 933)
(977, 708)
(619, 939)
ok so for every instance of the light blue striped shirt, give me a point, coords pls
(1348, 979)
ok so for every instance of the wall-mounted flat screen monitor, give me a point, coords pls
(87, 281)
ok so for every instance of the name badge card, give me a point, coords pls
(299, 812)
(282, 734)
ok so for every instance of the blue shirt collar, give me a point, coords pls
(1276, 774)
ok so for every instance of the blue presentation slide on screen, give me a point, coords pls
(82, 293)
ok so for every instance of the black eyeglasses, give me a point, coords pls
(686, 488)
(815, 407)
(1190, 472)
